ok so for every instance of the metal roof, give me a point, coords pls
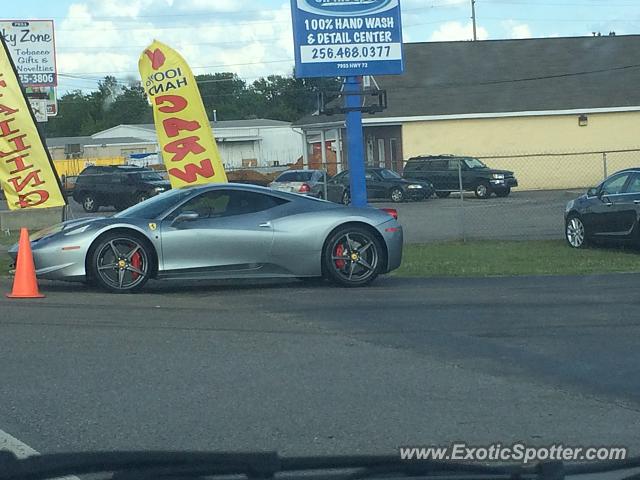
(88, 141)
(499, 76)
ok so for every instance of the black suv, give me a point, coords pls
(382, 183)
(120, 186)
(442, 171)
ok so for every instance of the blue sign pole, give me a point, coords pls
(355, 142)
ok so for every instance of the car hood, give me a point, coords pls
(404, 181)
(159, 183)
(492, 171)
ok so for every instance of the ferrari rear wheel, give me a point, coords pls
(353, 257)
(120, 263)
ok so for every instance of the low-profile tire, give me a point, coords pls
(353, 256)
(575, 232)
(503, 192)
(142, 196)
(120, 262)
(346, 198)
(482, 190)
(442, 194)
(89, 203)
(397, 195)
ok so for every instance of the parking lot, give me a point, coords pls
(322, 370)
(521, 216)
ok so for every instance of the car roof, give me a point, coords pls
(437, 157)
(118, 167)
(238, 186)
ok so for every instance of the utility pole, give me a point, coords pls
(473, 18)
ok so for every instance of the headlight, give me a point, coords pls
(412, 187)
(159, 189)
(76, 231)
(499, 176)
(47, 232)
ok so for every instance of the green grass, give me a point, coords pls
(504, 258)
(8, 240)
(495, 258)
(4, 264)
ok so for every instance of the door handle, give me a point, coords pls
(265, 225)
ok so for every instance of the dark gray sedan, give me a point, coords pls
(221, 231)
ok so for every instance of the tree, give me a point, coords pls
(113, 103)
(223, 92)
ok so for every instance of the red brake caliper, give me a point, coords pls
(136, 262)
(338, 253)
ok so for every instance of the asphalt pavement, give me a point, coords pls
(313, 369)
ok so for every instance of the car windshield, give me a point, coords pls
(295, 177)
(474, 163)
(156, 206)
(388, 174)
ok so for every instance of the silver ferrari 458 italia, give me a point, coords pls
(221, 231)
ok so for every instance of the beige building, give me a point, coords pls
(560, 112)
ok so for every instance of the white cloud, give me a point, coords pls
(457, 31)
(516, 29)
(94, 41)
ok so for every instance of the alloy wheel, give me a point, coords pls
(397, 195)
(122, 264)
(355, 257)
(575, 232)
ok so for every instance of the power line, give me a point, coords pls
(170, 16)
(483, 83)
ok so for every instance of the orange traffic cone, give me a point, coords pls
(25, 284)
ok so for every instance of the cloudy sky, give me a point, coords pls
(253, 37)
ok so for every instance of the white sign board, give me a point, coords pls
(39, 109)
(44, 93)
(32, 47)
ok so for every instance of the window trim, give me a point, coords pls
(281, 201)
(624, 185)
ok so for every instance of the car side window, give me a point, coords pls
(453, 164)
(614, 185)
(226, 203)
(286, 177)
(439, 165)
(634, 184)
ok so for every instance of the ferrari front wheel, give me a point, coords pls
(120, 263)
(353, 257)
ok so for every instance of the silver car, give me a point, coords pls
(305, 182)
(221, 231)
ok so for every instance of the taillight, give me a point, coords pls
(391, 211)
(304, 188)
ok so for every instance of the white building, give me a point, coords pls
(242, 143)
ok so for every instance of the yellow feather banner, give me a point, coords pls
(188, 146)
(27, 176)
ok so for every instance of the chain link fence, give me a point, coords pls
(533, 210)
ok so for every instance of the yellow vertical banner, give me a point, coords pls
(188, 146)
(27, 176)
